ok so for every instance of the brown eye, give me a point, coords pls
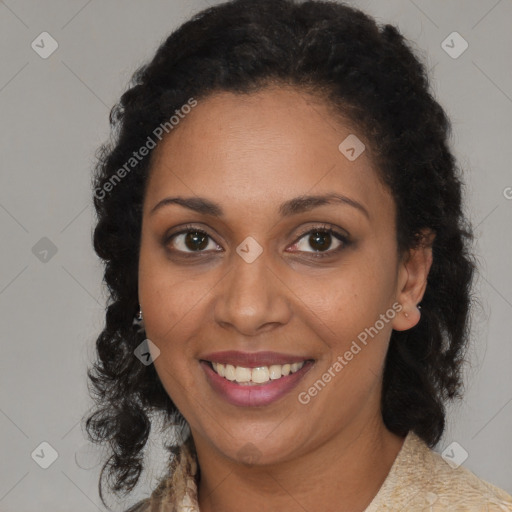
(195, 240)
(190, 240)
(321, 239)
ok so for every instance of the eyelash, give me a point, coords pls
(323, 228)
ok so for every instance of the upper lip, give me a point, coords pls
(252, 359)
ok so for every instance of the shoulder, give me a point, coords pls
(421, 479)
(177, 490)
(160, 499)
(140, 506)
(458, 486)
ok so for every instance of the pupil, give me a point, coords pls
(318, 245)
(194, 237)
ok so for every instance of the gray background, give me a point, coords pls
(54, 114)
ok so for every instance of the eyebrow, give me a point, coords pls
(288, 208)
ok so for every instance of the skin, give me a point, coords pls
(249, 154)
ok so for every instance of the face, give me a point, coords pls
(307, 279)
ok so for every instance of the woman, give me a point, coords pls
(278, 201)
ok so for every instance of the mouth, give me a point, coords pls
(255, 385)
(258, 375)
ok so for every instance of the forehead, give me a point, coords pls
(261, 148)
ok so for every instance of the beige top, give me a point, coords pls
(419, 480)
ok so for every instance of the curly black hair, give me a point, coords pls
(365, 72)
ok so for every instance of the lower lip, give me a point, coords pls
(257, 394)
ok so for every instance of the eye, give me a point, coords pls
(320, 239)
(190, 240)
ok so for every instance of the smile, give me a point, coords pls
(258, 375)
(255, 386)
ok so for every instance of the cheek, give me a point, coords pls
(345, 302)
(174, 318)
(172, 298)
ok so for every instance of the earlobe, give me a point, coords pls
(407, 318)
(412, 281)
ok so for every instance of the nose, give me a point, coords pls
(252, 298)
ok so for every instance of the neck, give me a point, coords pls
(343, 474)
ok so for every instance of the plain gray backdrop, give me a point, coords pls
(54, 115)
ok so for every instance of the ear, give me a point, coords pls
(412, 281)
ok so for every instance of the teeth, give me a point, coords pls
(220, 369)
(242, 374)
(257, 375)
(275, 371)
